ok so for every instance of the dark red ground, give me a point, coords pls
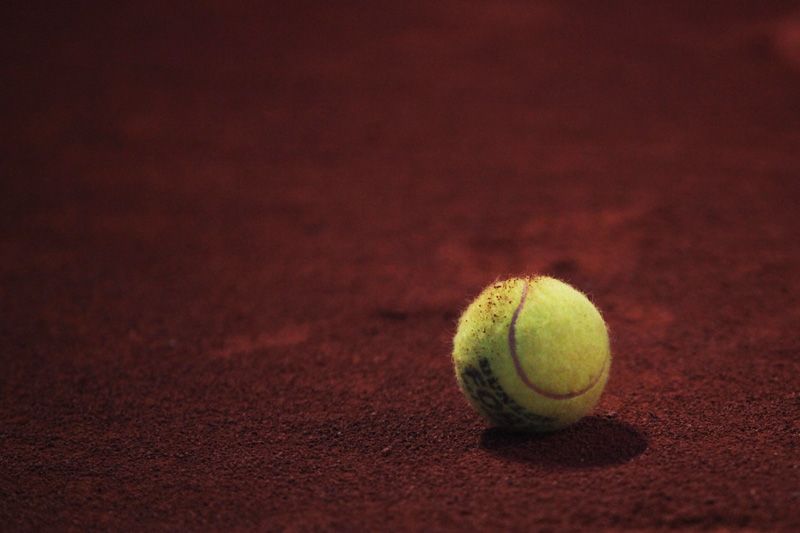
(235, 242)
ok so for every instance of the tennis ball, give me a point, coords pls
(532, 354)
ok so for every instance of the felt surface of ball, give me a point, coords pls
(532, 354)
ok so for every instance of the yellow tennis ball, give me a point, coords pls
(532, 354)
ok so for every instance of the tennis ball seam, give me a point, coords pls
(523, 376)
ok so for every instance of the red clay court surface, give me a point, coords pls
(235, 242)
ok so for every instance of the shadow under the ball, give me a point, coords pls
(595, 441)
